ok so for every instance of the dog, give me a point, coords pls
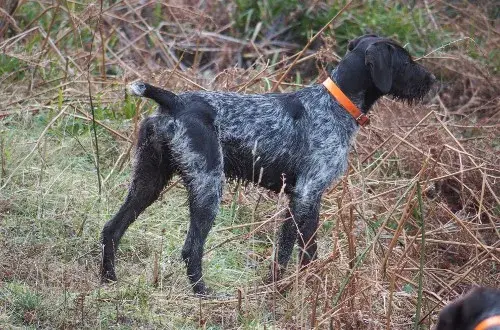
(298, 142)
(477, 310)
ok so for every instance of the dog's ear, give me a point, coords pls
(450, 316)
(353, 43)
(378, 57)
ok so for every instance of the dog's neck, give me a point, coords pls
(357, 87)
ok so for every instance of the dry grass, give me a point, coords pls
(412, 225)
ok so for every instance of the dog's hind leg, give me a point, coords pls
(153, 168)
(201, 166)
(204, 201)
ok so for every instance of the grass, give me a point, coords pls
(390, 257)
(298, 21)
(60, 231)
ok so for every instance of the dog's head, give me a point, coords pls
(387, 68)
(467, 312)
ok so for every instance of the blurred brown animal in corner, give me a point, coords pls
(477, 310)
(7, 8)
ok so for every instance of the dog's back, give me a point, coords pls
(264, 138)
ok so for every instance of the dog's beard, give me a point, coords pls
(412, 95)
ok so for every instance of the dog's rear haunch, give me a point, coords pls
(299, 141)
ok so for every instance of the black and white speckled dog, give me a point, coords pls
(477, 310)
(301, 138)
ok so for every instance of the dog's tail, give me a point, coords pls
(168, 101)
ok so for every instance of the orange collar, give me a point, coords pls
(488, 323)
(344, 101)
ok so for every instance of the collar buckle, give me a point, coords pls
(363, 120)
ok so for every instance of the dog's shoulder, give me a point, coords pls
(291, 104)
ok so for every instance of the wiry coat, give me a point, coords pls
(297, 141)
(266, 136)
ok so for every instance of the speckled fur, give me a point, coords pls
(299, 139)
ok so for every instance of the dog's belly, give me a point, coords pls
(275, 174)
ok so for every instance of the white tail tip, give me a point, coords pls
(136, 88)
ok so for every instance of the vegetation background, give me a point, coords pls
(411, 226)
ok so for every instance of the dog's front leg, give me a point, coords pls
(306, 215)
(286, 241)
(301, 223)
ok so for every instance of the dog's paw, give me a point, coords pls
(108, 277)
(136, 88)
(275, 274)
(203, 291)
